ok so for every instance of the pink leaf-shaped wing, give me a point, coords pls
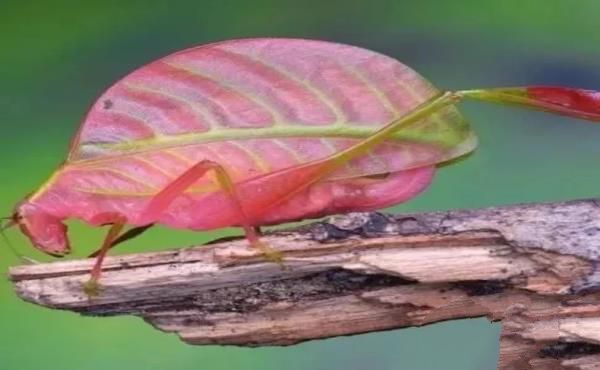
(254, 106)
(266, 104)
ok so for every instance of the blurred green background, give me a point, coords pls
(57, 56)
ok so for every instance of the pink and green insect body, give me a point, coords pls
(261, 131)
(256, 107)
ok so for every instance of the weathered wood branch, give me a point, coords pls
(535, 267)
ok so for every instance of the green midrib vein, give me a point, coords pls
(446, 138)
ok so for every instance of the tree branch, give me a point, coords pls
(535, 267)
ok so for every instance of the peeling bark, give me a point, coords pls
(534, 267)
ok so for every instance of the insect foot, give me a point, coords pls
(91, 288)
(270, 254)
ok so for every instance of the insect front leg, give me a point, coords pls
(127, 235)
(91, 286)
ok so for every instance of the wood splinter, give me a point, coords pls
(534, 267)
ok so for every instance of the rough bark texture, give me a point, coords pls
(535, 267)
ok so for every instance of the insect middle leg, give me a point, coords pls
(161, 201)
(127, 235)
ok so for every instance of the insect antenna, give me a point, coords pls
(6, 223)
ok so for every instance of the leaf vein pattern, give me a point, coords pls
(260, 163)
(119, 173)
(322, 96)
(289, 150)
(194, 106)
(333, 150)
(385, 101)
(195, 71)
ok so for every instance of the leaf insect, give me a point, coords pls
(256, 132)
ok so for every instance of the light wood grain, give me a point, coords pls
(535, 267)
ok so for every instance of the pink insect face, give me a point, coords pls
(46, 232)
